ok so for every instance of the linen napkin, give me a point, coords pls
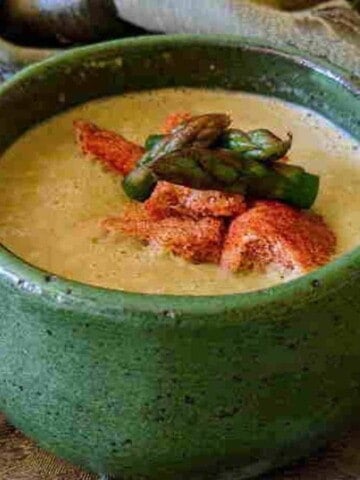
(330, 30)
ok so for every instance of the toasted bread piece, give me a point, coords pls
(194, 240)
(274, 233)
(114, 151)
(169, 199)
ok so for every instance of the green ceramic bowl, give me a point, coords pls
(152, 386)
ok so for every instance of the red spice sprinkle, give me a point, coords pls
(113, 150)
(174, 120)
(272, 232)
(169, 199)
(194, 240)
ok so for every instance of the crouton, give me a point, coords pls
(168, 199)
(194, 240)
(275, 233)
(114, 151)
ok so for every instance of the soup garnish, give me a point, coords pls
(203, 153)
(211, 194)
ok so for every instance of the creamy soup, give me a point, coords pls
(52, 198)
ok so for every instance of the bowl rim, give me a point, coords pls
(74, 295)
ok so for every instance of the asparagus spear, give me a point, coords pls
(152, 140)
(200, 131)
(139, 183)
(227, 171)
(199, 168)
(260, 144)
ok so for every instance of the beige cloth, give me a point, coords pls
(330, 30)
(21, 459)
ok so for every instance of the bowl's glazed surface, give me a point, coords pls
(155, 386)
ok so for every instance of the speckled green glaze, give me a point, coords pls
(145, 386)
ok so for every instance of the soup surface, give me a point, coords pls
(52, 197)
